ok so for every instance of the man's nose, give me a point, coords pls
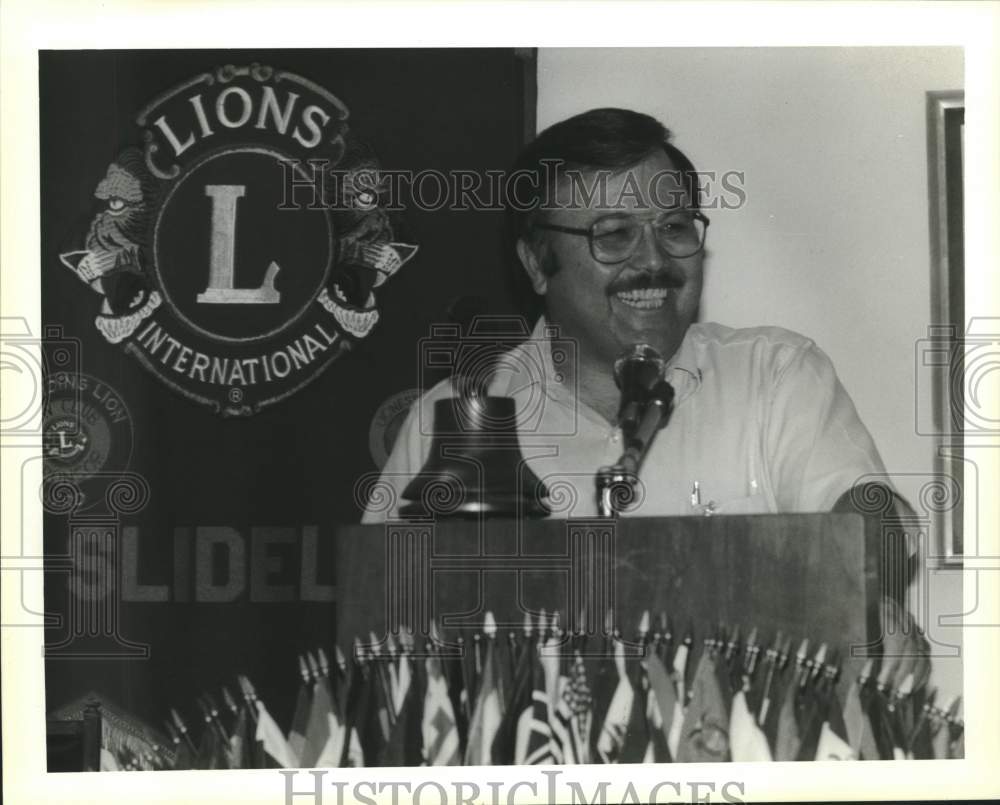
(649, 254)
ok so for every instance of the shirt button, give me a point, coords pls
(615, 437)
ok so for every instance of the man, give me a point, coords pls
(606, 227)
(760, 422)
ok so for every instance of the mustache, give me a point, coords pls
(645, 282)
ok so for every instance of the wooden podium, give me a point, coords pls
(815, 576)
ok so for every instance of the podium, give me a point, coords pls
(815, 576)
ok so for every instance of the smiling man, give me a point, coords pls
(606, 227)
(625, 268)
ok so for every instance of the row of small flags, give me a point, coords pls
(546, 696)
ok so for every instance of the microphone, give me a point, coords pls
(646, 402)
(637, 370)
(654, 416)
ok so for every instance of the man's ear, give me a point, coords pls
(532, 264)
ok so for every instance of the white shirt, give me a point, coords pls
(760, 422)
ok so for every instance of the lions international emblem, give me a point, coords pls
(240, 248)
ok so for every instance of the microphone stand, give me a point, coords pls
(616, 483)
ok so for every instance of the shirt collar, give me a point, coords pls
(683, 371)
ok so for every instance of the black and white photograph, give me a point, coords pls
(380, 413)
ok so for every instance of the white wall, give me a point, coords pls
(833, 238)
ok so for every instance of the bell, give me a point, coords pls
(475, 466)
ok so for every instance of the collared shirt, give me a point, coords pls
(760, 423)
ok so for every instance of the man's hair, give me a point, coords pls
(600, 139)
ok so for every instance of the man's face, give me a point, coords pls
(651, 297)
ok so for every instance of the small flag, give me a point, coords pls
(219, 758)
(787, 739)
(775, 687)
(876, 739)
(956, 747)
(261, 758)
(578, 700)
(403, 681)
(662, 693)
(619, 713)
(395, 697)
(317, 731)
(941, 739)
(562, 730)
(811, 709)
(215, 717)
(211, 752)
(867, 747)
(381, 665)
(834, 720)
(680, 678)
(502, 679)
(108, 761)
(438, 725)
(274, 742)
(533, 744)
(354, 708)
(920, 743)
(300, 718)
(239, 741)
(182, 729)
(183, 758)
(406, 743)
(854, 716)
(832, 746)
(747, 740)
(486, 714)
(636, 743)
(334, 682)
(373, 722)
(656, 749)
(891, 743)
(520, 701)
(605, 680)
(705, 729)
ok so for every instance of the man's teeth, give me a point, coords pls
(647, 298)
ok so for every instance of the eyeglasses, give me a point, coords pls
(614, 238)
